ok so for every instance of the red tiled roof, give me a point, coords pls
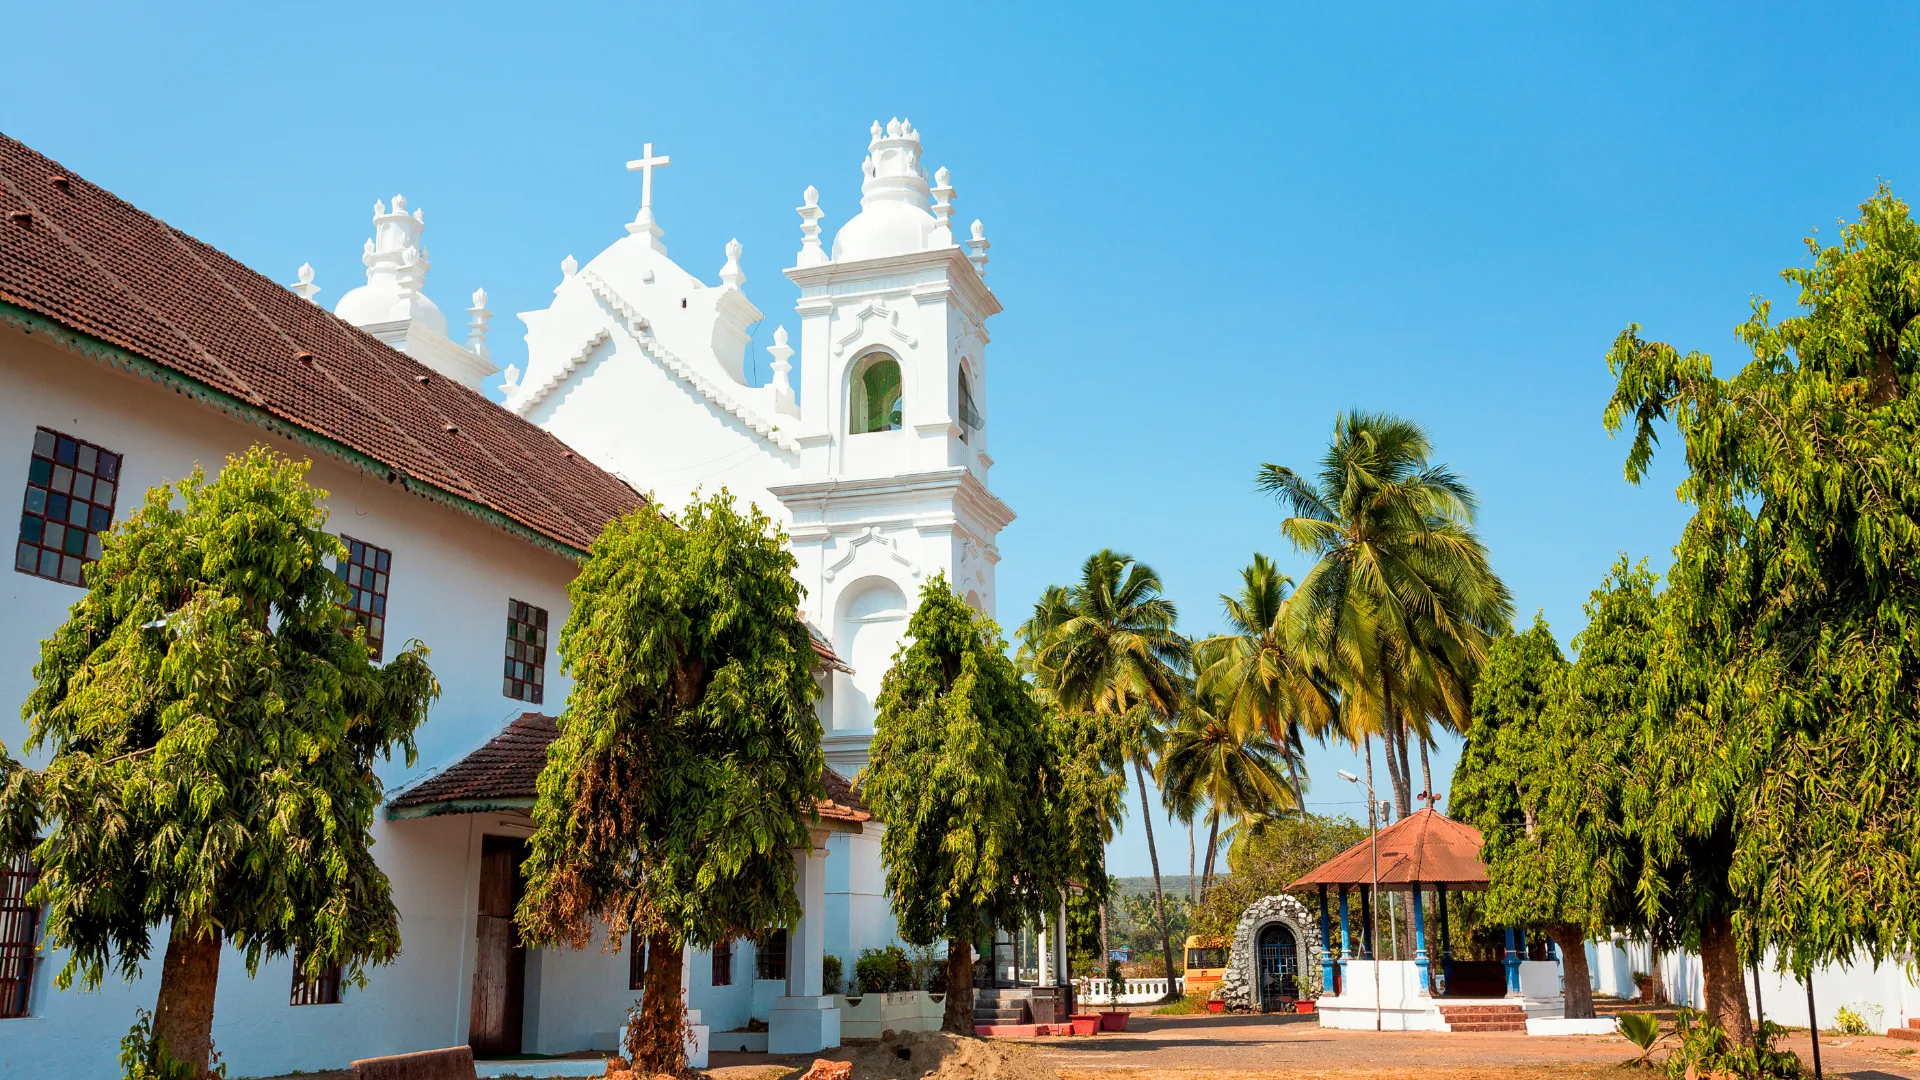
(504, 772)
(73, 254)
(1425, 847)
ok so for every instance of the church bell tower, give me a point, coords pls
(893, 477)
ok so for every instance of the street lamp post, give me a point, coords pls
(1373, 820)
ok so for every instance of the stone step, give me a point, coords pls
(1910, 1033)
(1488, 1025)
(1483, 1010)
(1913, 1021)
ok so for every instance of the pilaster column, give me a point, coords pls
(1512, 961)
(1346, 940)
(806, 1021)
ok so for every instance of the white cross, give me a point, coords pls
(645, 166)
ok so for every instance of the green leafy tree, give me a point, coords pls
(962, 771)
(1784, 746)
(1268, 855)
(213, 721)
(688, 764)
(1107, 645)
(1539, 874)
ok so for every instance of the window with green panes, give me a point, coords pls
(71, 487)
(365, 571)
(526, 676)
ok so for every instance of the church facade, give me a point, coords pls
(133, 353)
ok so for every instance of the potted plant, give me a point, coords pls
(1216, 1003)
(1114, 1018)
(1303, 1006)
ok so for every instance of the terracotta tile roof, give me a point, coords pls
(1425, 847)
(73, 254)
(504, 773)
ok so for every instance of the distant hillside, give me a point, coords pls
(1174, 884)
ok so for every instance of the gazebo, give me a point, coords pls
(1424, 852)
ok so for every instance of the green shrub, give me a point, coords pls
(1848, 1022)
(1705, 1049)
(1642, 1030)
(884, 971)
(1186, 1006)
(831, 974)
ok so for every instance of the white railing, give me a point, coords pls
(1093, 992)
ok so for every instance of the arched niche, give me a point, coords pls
(876, 394)
(872, 619)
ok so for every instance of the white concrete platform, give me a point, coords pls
(556, 1067)
(1560, 1025)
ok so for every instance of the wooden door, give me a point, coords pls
(500, 959)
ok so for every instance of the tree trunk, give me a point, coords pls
(958, 1017)
(1426, 775)
(183, 1015)
(1725, 980)
(1401, 736)
(1206, 870)
(1572, 942)
(1153, 853)
(657, 1043)
(1193, 873)
(1657, 982)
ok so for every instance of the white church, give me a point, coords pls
(133, 352)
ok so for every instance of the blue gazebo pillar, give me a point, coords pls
(1367, 900)
(1420, 943)
(1512, 960)
(1446, 943)
(1346, 939)
(1326, 944)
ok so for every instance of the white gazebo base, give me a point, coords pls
(1560, 1025)
(1402, 1006)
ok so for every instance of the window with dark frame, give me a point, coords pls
(723, 964)
(526, 675)
(770, 959)
(19, 933)
(71, 487)
(636, 961)
(322, 989)
(365, 571)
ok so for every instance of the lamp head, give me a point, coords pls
(1348, 777)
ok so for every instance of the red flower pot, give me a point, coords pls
(1114, 1021)
(1302, 1007)
(1084, 1023)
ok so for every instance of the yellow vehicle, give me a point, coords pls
(1206, 965)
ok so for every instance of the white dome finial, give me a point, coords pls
(811, 253)
(731, 275)
(303, 284)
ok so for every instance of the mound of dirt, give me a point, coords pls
(936, 1055)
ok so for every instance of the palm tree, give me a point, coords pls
(1232, 768)
(1260, 671)
(1106, 645)
(1401, 603)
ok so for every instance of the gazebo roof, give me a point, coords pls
(1424, 848)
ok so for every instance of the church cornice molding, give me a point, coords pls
(955, 485)
(890, 274)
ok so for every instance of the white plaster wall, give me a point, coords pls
(576, 999)
(452, 576)
(629, 416)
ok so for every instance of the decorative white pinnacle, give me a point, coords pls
(782, 354)
(305, 287)
(892, 169)
(811, 253)
(979, 245)
(477, 317)
(731, 275)
(510, 381)
(569, 266)
(643, 221)
(942, 209)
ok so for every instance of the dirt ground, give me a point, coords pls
(1297, 1048)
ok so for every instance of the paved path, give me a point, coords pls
(1299, 1047)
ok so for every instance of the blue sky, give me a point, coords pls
(1214, 227)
